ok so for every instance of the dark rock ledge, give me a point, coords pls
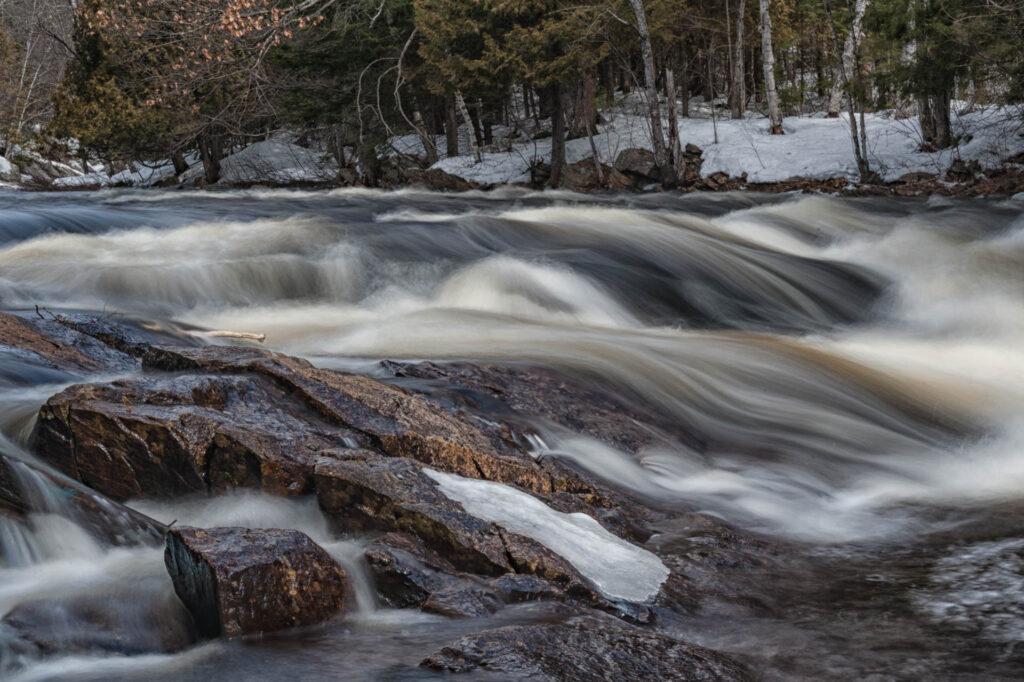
(214, 418)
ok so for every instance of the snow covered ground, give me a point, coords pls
(813, 146)
(273, 161)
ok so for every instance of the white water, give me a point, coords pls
(826, 413)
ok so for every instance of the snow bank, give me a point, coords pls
(275, 161)
(142, 176)
(5, 167)
(813, 146)
(618, 569)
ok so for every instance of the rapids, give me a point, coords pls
(850, 373)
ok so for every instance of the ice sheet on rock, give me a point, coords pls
(618, 569)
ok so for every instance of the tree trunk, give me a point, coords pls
(451, 127)
(650, 86)
(673, 132)
(860, 142)
(180, 166)
(845, 71)
(470, 128)
(737, 80)
(943, 135)
(211, 151)
(557, 136)
(927, 120)
(426, 139)
(768, 58)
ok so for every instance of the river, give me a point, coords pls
(850, 373)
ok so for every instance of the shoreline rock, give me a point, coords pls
(241, 581)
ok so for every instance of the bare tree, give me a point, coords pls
(845, 68)
(860, 141)
(768, 57)
(737, 80)
(37, 45)
(650, 86)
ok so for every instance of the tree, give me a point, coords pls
(737, 74)
(650, 86)
(768, 58)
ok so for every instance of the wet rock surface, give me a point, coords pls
(239, 581)
(210, 419)
(141, 622)
(106, 520)
(584, 647)
(54, 346)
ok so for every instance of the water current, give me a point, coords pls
(850, 373)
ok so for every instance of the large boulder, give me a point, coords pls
(584, 647)
(169, 435)
(638, 164)
(238, 417)
(582, 177)
(239, 581)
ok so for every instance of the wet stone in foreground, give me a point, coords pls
(238, 581)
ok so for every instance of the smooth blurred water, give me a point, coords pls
(851, 370)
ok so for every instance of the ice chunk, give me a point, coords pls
(618, 569)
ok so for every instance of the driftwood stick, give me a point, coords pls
(233, 335)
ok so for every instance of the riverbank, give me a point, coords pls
(814, 155)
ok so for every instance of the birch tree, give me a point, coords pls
(768, 57)
(650, 85)
(845, 68)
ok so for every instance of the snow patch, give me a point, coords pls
(813, 147)
(618, 569)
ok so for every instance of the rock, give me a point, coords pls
(588, 646)
(49, 343)
(582, 177)
(961, 171)
(394, 495)
(170, 435)
(128, 623)
(638, 164)
(583, 407)
(407, 574)
(916, 178)
(239, 581)
(398, 423)
(25, 488)
(364, 492)
(435, 178)
(348, 177)
(692, 150)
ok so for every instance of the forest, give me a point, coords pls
(111, 83)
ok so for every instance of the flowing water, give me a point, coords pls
(850, 374)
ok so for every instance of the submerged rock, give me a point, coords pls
(142, 621)
(239, 581)
(26, 488)
(590, 646)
